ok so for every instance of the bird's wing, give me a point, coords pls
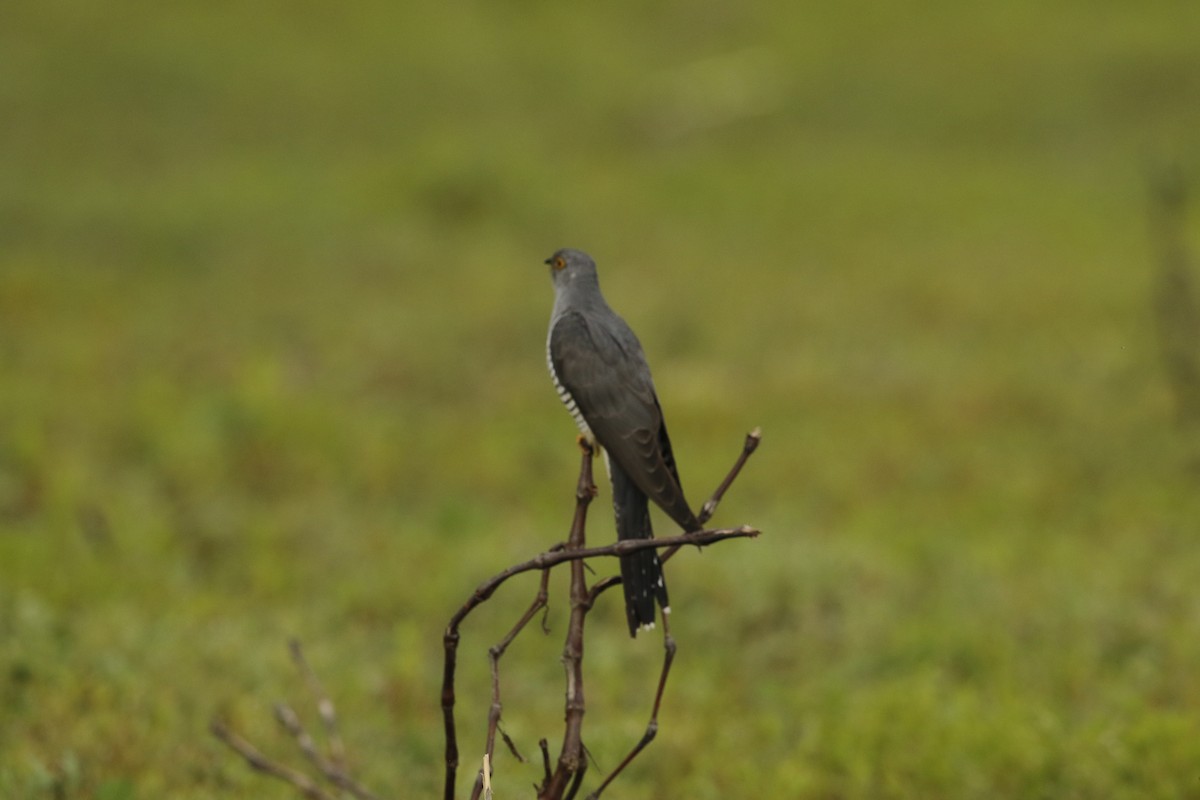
(603, 368)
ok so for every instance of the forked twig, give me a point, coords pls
(483, 781)
(544, 561)
(331, 768)
(748, 447)
(568, 775)
(652, 725)
(561, 781)
(571, 760)
(251, 755)
(753, 438)
(325, 707)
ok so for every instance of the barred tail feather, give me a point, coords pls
(641, 572)
(641, 575)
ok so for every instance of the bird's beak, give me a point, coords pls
(549, 261)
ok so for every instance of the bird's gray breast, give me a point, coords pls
(565, 395)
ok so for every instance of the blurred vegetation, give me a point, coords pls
(272, 314)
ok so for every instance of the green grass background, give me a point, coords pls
(272, 316)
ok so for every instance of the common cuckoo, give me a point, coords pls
(601, 376)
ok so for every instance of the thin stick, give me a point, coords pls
(545, 560)
(494, 655)
(577, 781)
(544, 746)
(290, 722)
(748, 447)
(753, 438)
(571, 760)
(652, 726)
(332, 772)
(450, 647)
(497, 651)
(577, 555)
(325, 707)
(258, 761)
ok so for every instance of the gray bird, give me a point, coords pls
(601, 376)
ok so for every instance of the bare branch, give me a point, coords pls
(331, 770)
(753, 438)
(652, 726)
(450, 646)
(571, 761)
(544, 746)
(325, 707)
(483, 781)
(544, 561)
(497, 651)
(512, 746)
(260, 762)
(560, 780)
(577, 781)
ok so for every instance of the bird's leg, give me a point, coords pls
(652, 727)
(589, 450)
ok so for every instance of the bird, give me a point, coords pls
(600, 373)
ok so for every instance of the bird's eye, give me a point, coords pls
(559, 262)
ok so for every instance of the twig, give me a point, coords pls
(571, 760)
(497, 651)
(616, 549)
(333, 772)
(544, 746)
(258, 761)
(483, 783)
(566, 778)
(753, 439)
(571, 765)
(325, 707)
(544, 561)
(748, 447)
(652, 726)
(331, 768)
(450, 646)
(577, 781)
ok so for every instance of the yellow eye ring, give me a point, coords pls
(560, 263)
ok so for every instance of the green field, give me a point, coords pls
(272, 319)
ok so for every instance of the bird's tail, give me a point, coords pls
(641, 572)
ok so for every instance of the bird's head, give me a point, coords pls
(568, 266)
